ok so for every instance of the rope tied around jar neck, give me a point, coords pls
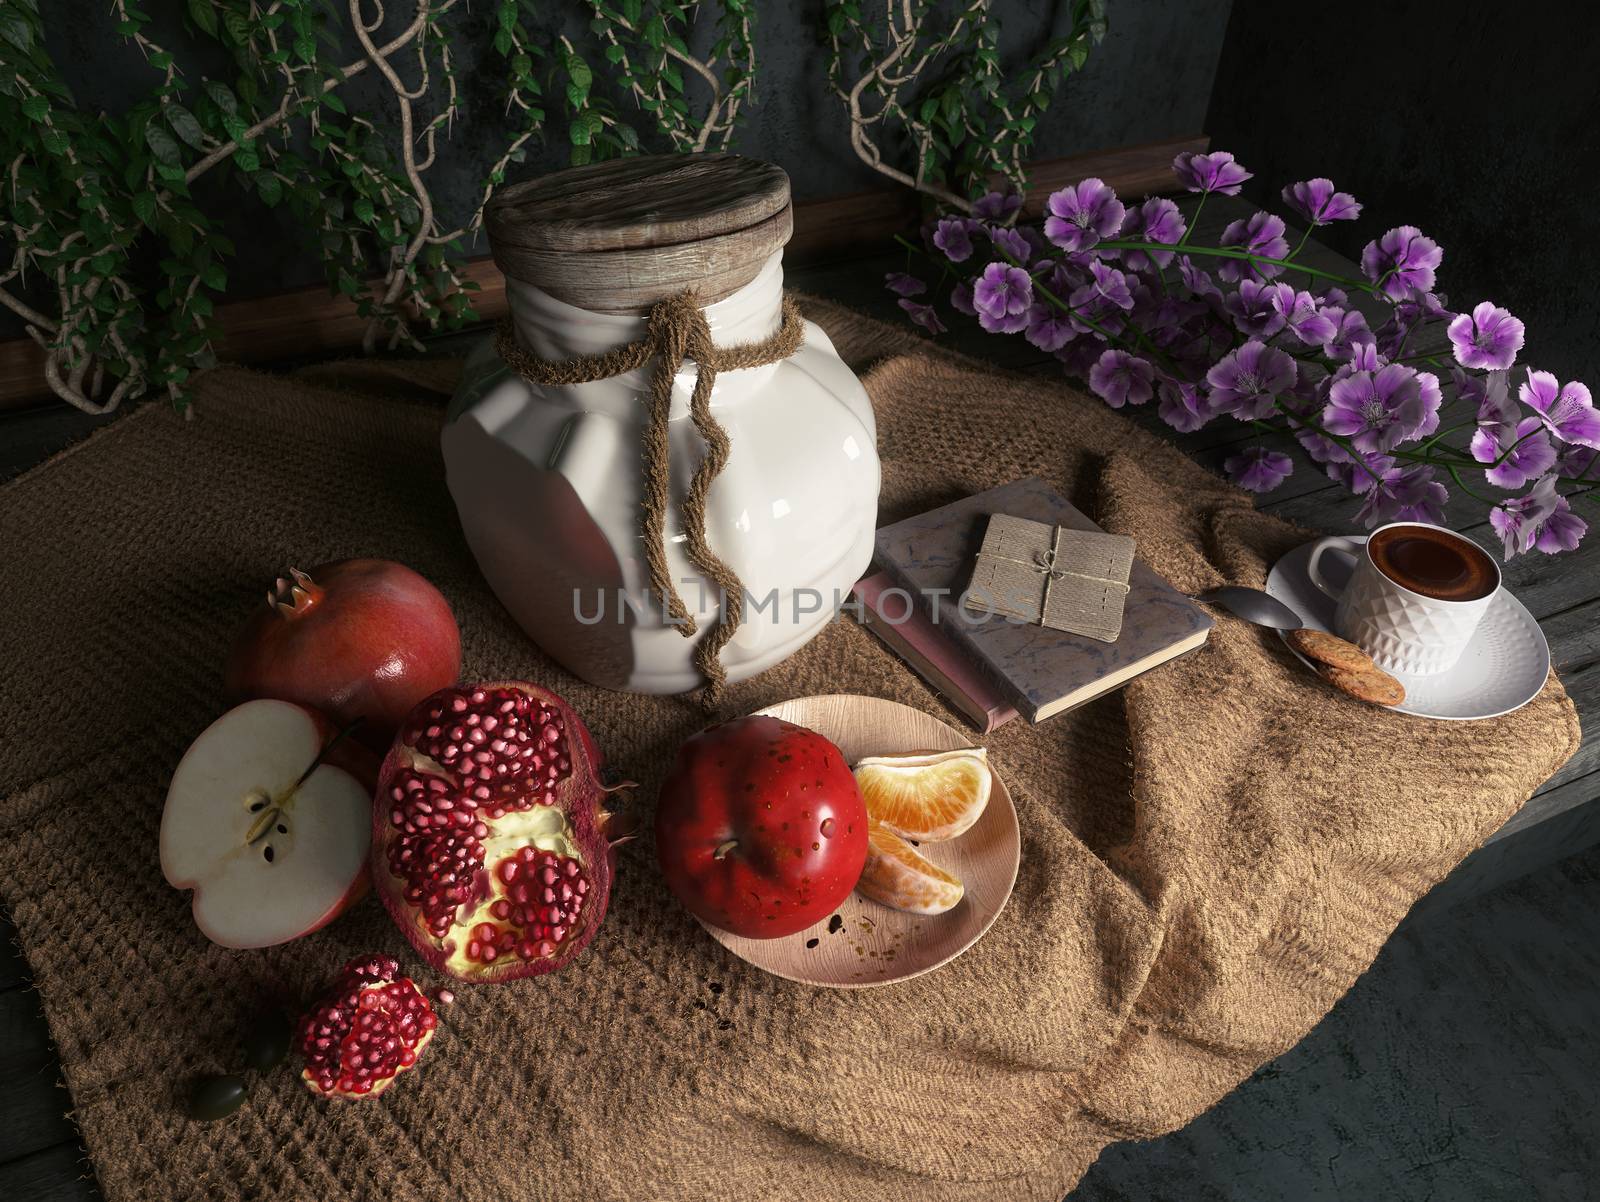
(676, 331)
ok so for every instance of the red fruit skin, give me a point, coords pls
(767, 786)
(365, 638)
(582, 799)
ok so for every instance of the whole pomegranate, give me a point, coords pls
(760, 828)
(490, 842)
(358, 638)
(367, 1030)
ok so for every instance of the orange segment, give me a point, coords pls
(929, 797)
(901, 879)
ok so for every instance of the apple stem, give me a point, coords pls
(323, 754)
(723, 849)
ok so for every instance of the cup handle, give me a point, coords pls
(1338, 544)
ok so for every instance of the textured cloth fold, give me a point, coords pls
(1211, 856)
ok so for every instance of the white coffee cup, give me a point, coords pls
(1403, 630)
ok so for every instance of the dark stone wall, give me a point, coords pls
(1474, 123)
(1150, 79)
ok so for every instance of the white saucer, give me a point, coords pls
(1502, 669)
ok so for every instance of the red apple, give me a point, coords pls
(760, 828)
(272, 847)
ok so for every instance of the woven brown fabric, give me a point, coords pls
(1210, 857)
(676, 330)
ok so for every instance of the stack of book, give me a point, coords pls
(992, 668)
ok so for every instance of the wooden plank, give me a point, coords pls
(59, 1174)
(33, 1098)
(311, 321)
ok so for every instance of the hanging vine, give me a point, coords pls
(115, 267)
(946, 94)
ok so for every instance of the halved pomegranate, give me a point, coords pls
(367, 1030)
(490, 843)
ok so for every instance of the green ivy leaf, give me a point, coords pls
(270, 188)
(144, 206)
(185, 126)
(332, 101)
(36, 108)
(214, 277)
(162, 145)
(203, 15)
(364, 211)
(222, 96)
(578, 72)
(15, 29)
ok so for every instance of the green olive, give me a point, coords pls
(267, 1044)
(217, 1097)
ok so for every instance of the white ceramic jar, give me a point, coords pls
(547, 481)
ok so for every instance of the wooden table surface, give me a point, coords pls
(41, 1158)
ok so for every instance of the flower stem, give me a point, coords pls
(1230, 252)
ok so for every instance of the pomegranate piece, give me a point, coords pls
(357, 639)
(490, 845)
(367, 1030)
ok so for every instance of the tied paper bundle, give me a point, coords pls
(1070, 580)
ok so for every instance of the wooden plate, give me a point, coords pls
(877, 945)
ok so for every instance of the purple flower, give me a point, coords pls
(1409, 494)
(1184, 407)
(1002, 295)
(1567, 411)
(904, 285)
(1247, 382)
(1400, 261)
(1011, 242)
(1102, 300)
(1258, 309)
(1305, 319)
(1258, 469)
(1574, 462)
(1562, 530)
(1119, 378)
(997, 206)
(1156, 220)
(1321, 449)
(953, 236)
(1214, 172)
(1197, 279)
(1049, 328)
(923, 315)
(1082, 214)
(961, 299)
(1079, 356)
(1488, 339)
(1518, 521)
(1531, 454)
(1377, 410)
(1318, 203)
(1500, 430)
(1350, 333)
(1261, 235)
(1432, 401)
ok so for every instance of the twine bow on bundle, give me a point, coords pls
(1084, 598)
(676, 331)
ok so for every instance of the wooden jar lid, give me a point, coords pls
(618, 236)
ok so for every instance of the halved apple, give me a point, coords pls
(270, 833)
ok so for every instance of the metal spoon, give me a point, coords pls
(1253, 605)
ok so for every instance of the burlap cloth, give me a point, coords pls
(1210, 857)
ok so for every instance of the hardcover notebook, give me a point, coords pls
(904, 628)
(1042, 671)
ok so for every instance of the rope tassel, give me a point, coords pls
(676, 332)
